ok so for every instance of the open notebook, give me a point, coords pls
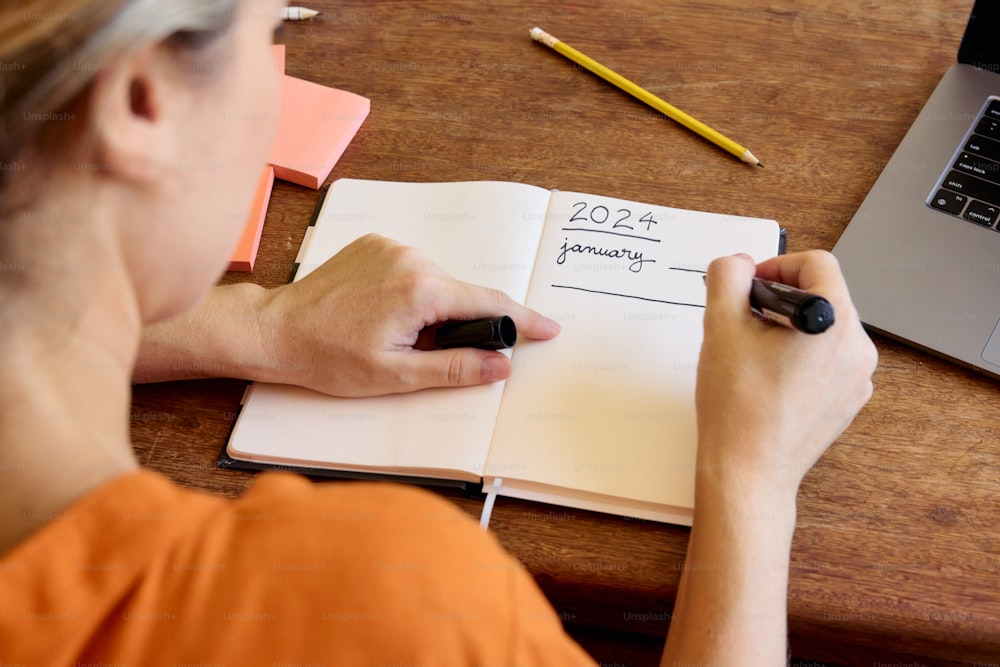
(601, 417)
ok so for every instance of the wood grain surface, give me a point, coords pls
(896, 559)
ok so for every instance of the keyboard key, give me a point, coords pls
(971, 186)
(971, 189)
(981, 212)
(950, 202)
(993, 110)
(989, 127)
(983, 147)
(986, 169)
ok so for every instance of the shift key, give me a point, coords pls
(971, 186)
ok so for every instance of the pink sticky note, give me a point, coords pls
(245, 253)
(314, 128)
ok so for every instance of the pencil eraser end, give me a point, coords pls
(545, 38)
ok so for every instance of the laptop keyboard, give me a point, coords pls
(970, 189)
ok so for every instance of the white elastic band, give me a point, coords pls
(491, 497)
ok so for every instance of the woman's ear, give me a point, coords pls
(132, 120)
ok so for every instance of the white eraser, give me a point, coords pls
(540, 35)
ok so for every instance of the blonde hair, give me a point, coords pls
(51, 51)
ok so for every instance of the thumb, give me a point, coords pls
(728, 288)
(458, 367)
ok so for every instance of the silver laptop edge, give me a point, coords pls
(916, 274)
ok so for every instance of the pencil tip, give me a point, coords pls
(761, 165)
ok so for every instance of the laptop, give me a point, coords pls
(922, 254)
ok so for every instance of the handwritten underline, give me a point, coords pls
(605, 231)
(629, 296)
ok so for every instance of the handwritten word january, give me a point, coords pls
(633, 256)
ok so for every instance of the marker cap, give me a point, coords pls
(814, 315)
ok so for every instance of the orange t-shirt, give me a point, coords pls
(143, 573)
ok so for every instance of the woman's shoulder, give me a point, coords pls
(291, 571)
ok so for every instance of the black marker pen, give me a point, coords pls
(488, 333)
(790, 306)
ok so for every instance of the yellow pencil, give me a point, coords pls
(644, 95)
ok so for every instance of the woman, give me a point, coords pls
(123, 174)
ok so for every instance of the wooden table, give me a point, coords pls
(897, 555)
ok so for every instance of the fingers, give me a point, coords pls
(814, 271)
(728, 284)
(458, 367)
(532, 324)
(468, 301)
(456, 300)
(818, 271)
(463, 367)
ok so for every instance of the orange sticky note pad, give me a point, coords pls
(245, 253)
(315, 126)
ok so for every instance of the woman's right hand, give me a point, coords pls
(770, 399)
